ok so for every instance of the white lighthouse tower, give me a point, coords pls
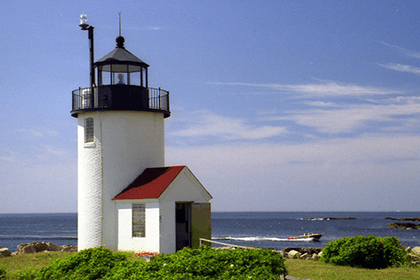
(120, 135)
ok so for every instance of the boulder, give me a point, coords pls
(312, 251)
(5, 252)
(40, 246)
(25, 248)
(305, 256)
(68, 248)
(416, 250)
(283, 253)
(52, 247)
(293, 254)
(36, 247)
(315, 257)
(304, 253)
(320, 254)
(299, 249)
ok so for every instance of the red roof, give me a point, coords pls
(151, 183)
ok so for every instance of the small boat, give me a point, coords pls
(307, 237)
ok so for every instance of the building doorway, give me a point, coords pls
(183, 224)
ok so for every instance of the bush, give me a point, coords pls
(27, 273)
(201, 263)
(208, 263)
(365, 251)
(2, 273)
(89, 264)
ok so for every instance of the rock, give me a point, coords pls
(416, 250)
(40, 246)
(304, 253)
(36, 247)
(52, 247)
(5, 252)
(403, 220)
(300, 250)
(312, 251)
(404, 225)
(68, 248)
(1, 247)
(293, 254)
(315, 257)
(25, 248)
(283, 253)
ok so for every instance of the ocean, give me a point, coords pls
(257, 229)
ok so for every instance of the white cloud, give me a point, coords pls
(326, 175)
(353, 116)
(403, 50)
(402, 68)
(321, 104)
(326, 89)
(204, 123)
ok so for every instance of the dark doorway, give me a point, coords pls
(183, 224)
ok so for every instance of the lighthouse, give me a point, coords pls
(127, 198)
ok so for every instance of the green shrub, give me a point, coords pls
(365, 251)
(208, 263)
(201, 263)
(27, 273)
(2, 273)
(89, 264)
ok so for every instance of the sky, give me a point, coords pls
(276, 105)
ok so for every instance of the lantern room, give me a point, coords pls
(120, 67)
(121, 83)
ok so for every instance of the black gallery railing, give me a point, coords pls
(148, 98)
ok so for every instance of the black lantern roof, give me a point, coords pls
(120, 56)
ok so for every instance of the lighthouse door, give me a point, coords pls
(183, 224)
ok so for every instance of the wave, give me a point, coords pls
(256, 238)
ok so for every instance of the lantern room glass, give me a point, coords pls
(117, 74)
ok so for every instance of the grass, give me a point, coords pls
(317, 270)
(17, 265)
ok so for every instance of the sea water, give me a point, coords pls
(257, 229)
(16, 229)
(271, 229)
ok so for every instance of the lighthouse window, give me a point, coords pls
(139, 220)
(88, 130)
(135, 79)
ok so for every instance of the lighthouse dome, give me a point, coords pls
(120, 55)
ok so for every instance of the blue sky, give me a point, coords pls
(276, 105)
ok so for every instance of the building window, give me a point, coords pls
(88, 130)
(139, 220)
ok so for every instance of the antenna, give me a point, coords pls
(119, 13)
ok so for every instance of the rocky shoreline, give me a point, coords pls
(37, 247)
(288, 252)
